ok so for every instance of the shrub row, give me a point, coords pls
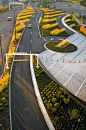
(57, 31)
(48, 13)
(47, 26)
(62, 43)
(50, 16)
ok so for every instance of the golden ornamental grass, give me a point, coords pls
(50, 16)
(58, 31)
(22, 21)
(20, 28)
(17, 37)
(24, 17)
(49, 20)
(4, 81)
(48, 10)
(47, 26)
(47, 13)
(82, 29)
(72, 25)
(24, 14)
(62, 43)
(67, 20)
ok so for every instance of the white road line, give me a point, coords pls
(61, 39)
(44, 39)
(30, 40)
(71, 76)
(51, 38)
(61, 70)
(80, 87)
(31, 32)
(51, 65)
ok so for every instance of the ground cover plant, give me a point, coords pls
(67, 49)
(64, 112)
(47, 25)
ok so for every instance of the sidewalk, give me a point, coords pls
(72, 76)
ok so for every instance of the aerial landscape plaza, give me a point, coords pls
(43, 65)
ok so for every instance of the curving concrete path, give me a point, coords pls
(70, 70)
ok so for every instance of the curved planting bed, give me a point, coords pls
(69, 48)
(64, 112)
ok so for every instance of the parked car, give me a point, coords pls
(30, 26)
(9, 18)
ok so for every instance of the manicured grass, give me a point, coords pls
(64, 112)
(68, 48)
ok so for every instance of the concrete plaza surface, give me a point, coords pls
(68, 68)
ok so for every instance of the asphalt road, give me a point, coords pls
(25, 110)
(6, 29)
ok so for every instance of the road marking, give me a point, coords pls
(61, 39)
(21, 60)
(44, 39)
(51, 38)
(31, 32)
(30, 40)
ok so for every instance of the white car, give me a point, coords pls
(30, 26)
(9, 18)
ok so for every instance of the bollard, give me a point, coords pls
(57, 60)
(69, 61)
(79, 61)
(63, 60)
(42, 56)
(46, 58)
(51, 59)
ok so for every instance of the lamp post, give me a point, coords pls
(15, 24)
(1, 52)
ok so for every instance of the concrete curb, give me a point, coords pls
(40, 102)
(11, 75)
(62, 20)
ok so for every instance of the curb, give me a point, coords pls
(40, 102)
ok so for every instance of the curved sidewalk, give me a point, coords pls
(70, 70)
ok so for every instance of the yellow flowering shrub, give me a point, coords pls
(67, 20)
(20, 28)
(57, 31)
(22, 21)
(82, 29)
(24, 14)
(47, 10)
(47, 26)
(62, 43)
(47, 13)
(54, 31)
(49, 20)
(17, 37)
(72, 25)
(4, 81)
(24, 17)
(68, 15)
(49, 16)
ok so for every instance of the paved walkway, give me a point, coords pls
(71, 75)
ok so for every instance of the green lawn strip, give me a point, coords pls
(69, 48)
(64, 112)
(4, 110)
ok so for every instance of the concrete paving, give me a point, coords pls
(71, 75)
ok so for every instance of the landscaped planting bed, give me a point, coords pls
(69, 48)
(45, 32)
(4, 103)
(64, 112)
